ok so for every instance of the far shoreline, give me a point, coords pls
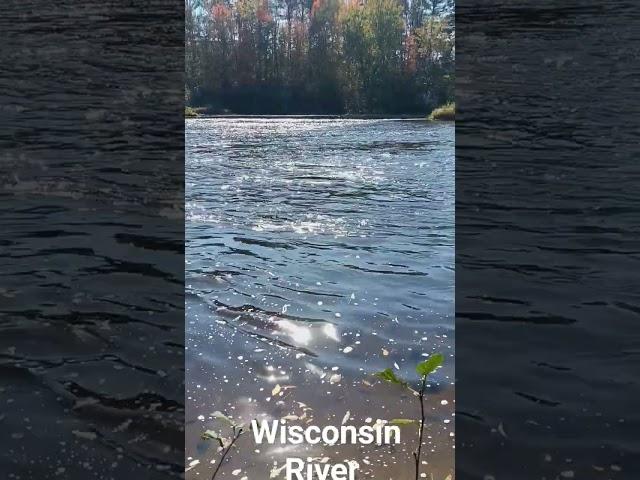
(412, 117)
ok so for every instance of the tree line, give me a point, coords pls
(319, 56)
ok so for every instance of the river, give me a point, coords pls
(318, 251)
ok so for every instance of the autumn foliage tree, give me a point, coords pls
(319, 56)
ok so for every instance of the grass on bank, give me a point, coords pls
(444, 113)
(190, 112)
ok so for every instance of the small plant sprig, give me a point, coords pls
(423, 369)
(226, 443)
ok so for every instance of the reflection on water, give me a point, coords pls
(318, 252)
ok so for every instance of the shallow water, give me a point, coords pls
(319, 251)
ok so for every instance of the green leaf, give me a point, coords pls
(222, 416)
(388, 376)
(212, 435)
(429, 365)
(401, 421)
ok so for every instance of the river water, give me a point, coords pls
(319, 251)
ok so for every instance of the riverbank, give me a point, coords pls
(203, 112)
(190, 112)
(310, 117)
(446, 113)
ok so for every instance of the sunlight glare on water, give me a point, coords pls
(319, 251)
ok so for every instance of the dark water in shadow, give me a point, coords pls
(547, 240)
(318, 252)
(91, 240)
(78, 401)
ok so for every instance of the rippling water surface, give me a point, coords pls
(318, 252)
